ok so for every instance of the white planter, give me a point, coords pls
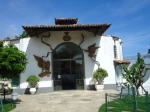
(32, 90)
(99, 87)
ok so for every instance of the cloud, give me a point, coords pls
(15, 3)
(136, 39)
(134, 47)
(17, 6)
(137, 36)
(127, 7)
(11, 31)
(137, 42)
(124, 24)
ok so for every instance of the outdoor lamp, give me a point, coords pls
(14, 96)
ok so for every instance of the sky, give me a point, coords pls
(129, 19)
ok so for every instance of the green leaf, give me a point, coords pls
(135, 73)
(12, 61)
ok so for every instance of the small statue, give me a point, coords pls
(45, 65)
(6, 85)
(91, 50)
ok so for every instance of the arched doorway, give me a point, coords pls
(68, 67)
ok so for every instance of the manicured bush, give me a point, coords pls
(99, 75)
(32, 80)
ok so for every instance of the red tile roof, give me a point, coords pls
(122, 61)
(32, 30)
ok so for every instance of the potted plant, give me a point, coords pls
(33, 81)
(99, 76)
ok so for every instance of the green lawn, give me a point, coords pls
(7, 106)
(125, 104)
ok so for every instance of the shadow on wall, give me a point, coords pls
(34, 47)
(89, 63)
(27, 90)
(147, 76)
(91, 85)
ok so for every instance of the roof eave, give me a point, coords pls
(122, 61)
(94, 28)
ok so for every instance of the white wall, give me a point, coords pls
(15, 42)
(120, 49)
(146, 84)
(105, 55)
(118, 69)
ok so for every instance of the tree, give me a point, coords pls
(135, 73)
(23, 35)
(12, 61)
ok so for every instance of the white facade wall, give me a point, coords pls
(120, 49)
(105, 55)
(118, 69)
(146, 83)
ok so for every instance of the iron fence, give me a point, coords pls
(127, 102)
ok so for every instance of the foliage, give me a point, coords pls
(99, 75)
(125, 104)
(33, 80)
(23, 35)
(7, 106)
(12, 61)
(7, 38)
(135, 73)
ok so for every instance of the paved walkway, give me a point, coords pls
(62, 101)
